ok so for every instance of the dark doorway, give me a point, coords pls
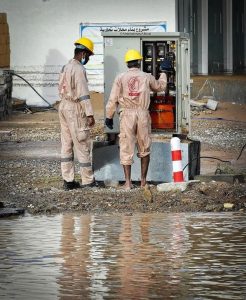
(238, 27)
(215, 36)
(195, 36)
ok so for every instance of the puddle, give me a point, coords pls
(144, 256)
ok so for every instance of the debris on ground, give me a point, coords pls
(30, 169)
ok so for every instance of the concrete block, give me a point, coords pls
(175, 186)
(106, 163)
(229, 205)
(111, 183)
(212, 104)
(172, 186)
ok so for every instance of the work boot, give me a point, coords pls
(70, 185)
(92, 184)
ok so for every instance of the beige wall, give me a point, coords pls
(42, 33)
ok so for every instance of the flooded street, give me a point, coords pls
(140, 256)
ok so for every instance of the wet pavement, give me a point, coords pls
(142, 256)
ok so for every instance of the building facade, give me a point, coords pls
(218, 34)
(42, 33)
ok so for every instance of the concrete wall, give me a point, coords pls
(223, 88)
(42, 33)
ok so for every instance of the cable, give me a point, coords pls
(49, 105)
(210, 157)
(241, 152)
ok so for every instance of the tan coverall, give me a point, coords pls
(74, 107)
(131, 90)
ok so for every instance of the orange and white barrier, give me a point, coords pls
(178, 175)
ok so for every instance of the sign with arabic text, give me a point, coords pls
(94, 32)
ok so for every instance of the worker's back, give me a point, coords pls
(136, 86)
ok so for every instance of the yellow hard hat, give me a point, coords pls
(133, 54)
(87, 43)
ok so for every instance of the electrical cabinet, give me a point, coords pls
(169, 110)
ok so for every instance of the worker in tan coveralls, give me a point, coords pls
(76, 116)
(131, 90)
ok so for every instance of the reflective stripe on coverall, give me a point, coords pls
(131, 90)
(75, 106)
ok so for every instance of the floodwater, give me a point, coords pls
(143, 256)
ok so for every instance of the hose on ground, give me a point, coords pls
(49, 105)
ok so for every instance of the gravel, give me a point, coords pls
(36, 184)
(220, 134)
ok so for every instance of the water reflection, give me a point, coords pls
(145, 256)
(75, 253)
(28, 258)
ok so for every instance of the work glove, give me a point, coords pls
(109, 123)
(166, 65)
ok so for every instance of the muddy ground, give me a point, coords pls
(31, 179)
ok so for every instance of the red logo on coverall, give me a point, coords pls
(133, 85)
